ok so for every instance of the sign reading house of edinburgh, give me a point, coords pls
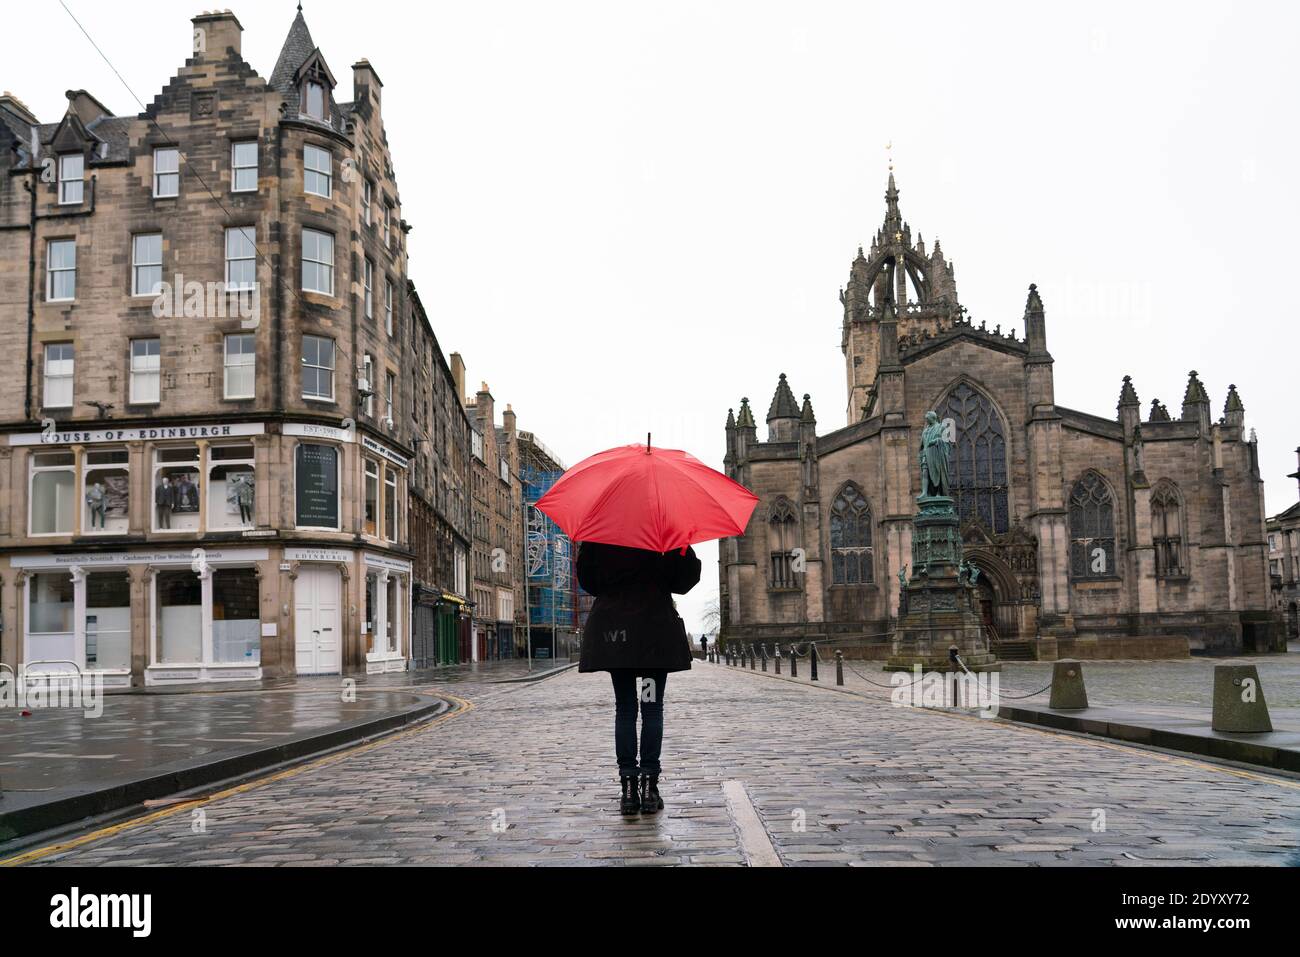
(318, 486)
(368, 443)
(317, 555)
(147, 434)
(210, 555)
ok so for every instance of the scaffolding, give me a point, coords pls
(548, 552)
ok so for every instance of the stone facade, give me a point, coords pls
(197, 484)
(439, 490)
(497, 530)
(1284, 564)
(1084, 527)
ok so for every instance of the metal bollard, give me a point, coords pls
(753, 658)
(812, 658)
(794, 663)
(839, 667)
(776, 648)
(762, 650)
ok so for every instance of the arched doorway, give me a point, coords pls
(998, 594)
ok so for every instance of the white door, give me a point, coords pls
(317, 641)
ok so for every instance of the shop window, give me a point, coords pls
(50, 636)
(393, 611)
(179, 596)
(236, 619)
(108, 621)
(176, 489)
(232, 487)
(106, 491)
(53, 493)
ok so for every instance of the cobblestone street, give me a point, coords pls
(525, 776)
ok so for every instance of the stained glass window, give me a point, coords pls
(851, 550)
(1092, 529)
(977, 469)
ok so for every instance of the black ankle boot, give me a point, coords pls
(631, 803)
(651, 802)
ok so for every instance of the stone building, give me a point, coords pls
(439, 495)
(497, 532)
(1105, 536)
(1284, 564)
(206, 419)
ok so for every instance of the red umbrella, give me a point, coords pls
(644, 497)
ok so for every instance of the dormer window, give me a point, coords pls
(314, 98)
(72, 179)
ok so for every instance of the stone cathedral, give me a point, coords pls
(1123, 535)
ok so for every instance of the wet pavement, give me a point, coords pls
(755, 769)
(53, 757)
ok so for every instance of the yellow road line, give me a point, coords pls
(463, 706)
(1079, 737)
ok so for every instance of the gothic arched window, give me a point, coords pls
(1167, 530)
(977, 470)
(1092, 529)
(782, 536)
(851, 538)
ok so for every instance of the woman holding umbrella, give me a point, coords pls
(636, 511)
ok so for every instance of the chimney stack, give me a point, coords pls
(215, 32)
(458, 376)
(366, 85)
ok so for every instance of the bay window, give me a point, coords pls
(317, 262)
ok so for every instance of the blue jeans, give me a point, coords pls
(650, 699)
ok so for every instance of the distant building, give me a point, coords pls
(439, 500)
(496, 523)
(553, 595)
(1104, 536)
(1284, 563)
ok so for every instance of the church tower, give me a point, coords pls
(898, 276)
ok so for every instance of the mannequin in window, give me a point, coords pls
(95, 499)
(164, 497)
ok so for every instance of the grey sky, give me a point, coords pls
(627, 216)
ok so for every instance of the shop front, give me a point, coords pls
(166, 616)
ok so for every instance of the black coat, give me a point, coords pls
(633, 623)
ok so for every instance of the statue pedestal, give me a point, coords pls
(937, 609)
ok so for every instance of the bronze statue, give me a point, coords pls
(934, 458)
